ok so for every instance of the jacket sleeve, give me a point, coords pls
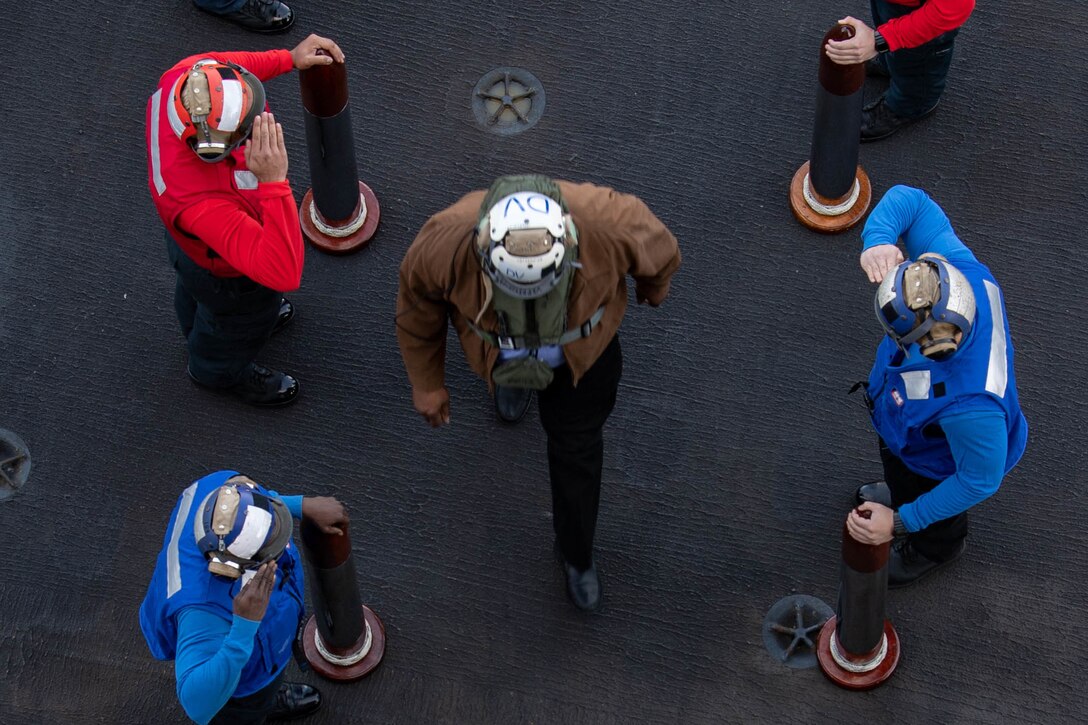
(979, 443)
(210, 656)
(909, 213)
(266, 65)
(422, 310)
(269, 251)
(927, 22)
(652, 252)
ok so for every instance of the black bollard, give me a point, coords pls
(344, 640)
(831, 192)
(339, 213)
(858, 648)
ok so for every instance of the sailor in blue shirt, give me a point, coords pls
(226, 599)
(942, 392)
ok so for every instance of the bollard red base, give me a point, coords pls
(346, 673)
(856, 680)
(333, 243)
(829, 224)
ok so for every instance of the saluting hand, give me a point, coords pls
(433, 405)
(879, 260)
(252, 601)
(266, 154)
(306, 54)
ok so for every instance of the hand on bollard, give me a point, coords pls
(879, 260)
(858, 49)
(326, 513)
(433, 405)
(306, 54)
(871, 523)
(252, 601)
(266, 154)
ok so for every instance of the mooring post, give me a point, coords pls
(339, 213)
(831, 192)
(858, 648)
(343, 640)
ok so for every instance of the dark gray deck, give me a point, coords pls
(733, 450)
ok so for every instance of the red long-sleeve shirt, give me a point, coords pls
(931, 19)
(268, 247)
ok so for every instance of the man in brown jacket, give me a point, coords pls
(532, 273)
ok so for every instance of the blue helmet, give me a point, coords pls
(913, 302)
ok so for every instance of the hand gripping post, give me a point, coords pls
(831, 192)
(858, 648)
(344, 640)
(339, 213)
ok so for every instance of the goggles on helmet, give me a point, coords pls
(237, 527)
(921, 294)
(213, 107)
(526, 255)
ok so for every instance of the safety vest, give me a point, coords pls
(909, 394)
(178, 178)
(529, 324)
(182, 579)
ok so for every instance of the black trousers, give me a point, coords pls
(226, 320)
(251, 709)
(940, 540)
(573, 418)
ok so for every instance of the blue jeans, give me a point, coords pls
(918, 75)
(219, 6)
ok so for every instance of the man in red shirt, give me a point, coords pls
(232, 229)
(912, 45)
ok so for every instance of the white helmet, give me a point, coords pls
(922, 300)
(526, 254)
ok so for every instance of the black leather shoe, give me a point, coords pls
(875, 68)
(877, 492)
(261, 16)
(906, 565)
(511, 403)
(260, 386)
(583, 587)
(878, 121)
(287, 313)
(295, 700)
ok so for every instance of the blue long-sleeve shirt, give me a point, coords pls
(211, 652)
(975, 428)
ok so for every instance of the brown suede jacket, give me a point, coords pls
(440, 280)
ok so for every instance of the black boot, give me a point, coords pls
(260, 386)
(877, 492)
(287, 313)
(295, 700)
(261, 16)
(583, 586)
(511, 403)
(878, 121)
(906, 565)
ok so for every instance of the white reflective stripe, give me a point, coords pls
(917, 383)
(232, 106)
(156, 163)
(253, 534)
(173, 565)
(997, 373)
(245, 180)
(172, 112)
